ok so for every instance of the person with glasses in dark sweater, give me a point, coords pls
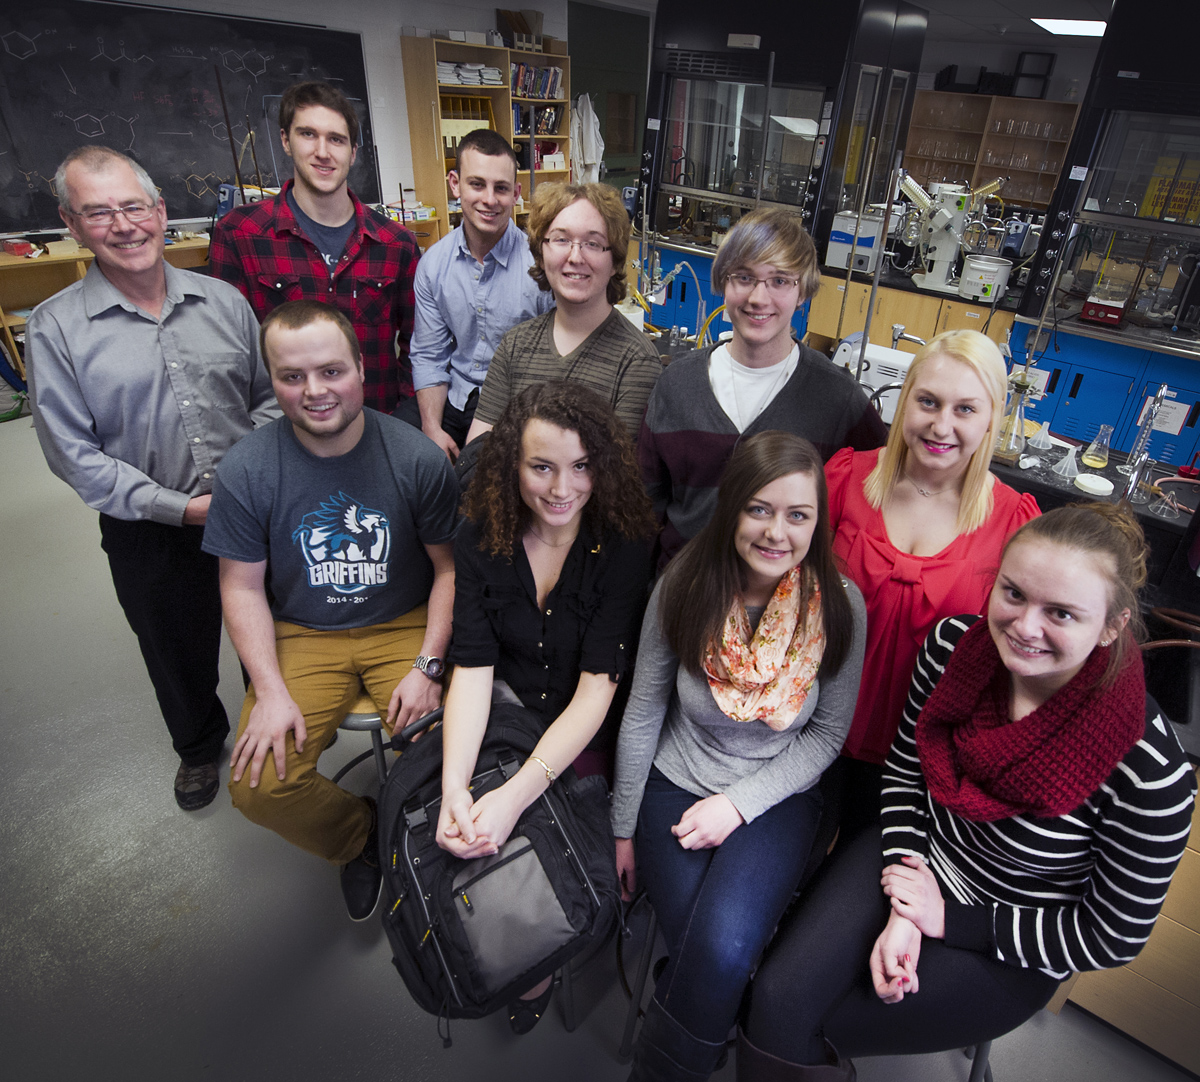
(709, 400)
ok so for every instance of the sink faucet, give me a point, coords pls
(900, 335)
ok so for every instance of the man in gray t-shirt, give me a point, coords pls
(349, 514)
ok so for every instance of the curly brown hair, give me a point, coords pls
(618, 502)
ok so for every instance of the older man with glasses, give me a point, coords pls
(143, 376)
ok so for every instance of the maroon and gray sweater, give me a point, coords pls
(686, 437)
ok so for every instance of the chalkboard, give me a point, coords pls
(142, 80)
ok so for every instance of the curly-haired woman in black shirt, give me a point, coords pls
(551, 569)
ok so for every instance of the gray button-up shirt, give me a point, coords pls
(464, 308)
(133, 412)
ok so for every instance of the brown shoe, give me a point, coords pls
(196, 786)
(755, 1065)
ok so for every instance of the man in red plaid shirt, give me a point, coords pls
(317, 241)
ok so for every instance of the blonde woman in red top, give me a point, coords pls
(919, 526)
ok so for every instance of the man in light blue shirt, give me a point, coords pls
(471, 288)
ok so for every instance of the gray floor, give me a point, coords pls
(141, 942)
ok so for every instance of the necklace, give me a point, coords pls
(550, 544)
(924, 491)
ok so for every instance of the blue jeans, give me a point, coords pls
(718, 908)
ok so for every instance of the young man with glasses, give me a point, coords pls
(317, 241)
(143, 376)
(472, 287)
(762, 379)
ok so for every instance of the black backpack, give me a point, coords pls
(469, 936)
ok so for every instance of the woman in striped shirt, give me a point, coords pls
(1035, 807)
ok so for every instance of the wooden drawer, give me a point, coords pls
(1183, 899)
(1171, 959)
(1145, 1011)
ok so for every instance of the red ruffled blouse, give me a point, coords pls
(905, 594)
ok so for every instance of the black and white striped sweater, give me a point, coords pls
(1077, 892)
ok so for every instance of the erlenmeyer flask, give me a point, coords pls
(1011, 441)
(1096, 456)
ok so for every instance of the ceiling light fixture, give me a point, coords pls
(1079, 28)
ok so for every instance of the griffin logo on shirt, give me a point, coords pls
(345, 545)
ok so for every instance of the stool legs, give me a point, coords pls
(639, 988)
(981, 1070)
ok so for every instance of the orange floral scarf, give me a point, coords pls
(766, 677)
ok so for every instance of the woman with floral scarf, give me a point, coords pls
(746, 680)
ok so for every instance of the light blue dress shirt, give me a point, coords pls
(464, 308)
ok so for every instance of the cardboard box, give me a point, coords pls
(554, 46)
(475, 38)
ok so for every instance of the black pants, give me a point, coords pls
(455, 422)
(814, 981)
(170, 593)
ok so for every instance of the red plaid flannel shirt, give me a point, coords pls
(261, 250)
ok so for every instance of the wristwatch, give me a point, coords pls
(433, 667)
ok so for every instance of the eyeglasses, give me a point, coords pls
(132, 212)
(777, 284)
(563, 245)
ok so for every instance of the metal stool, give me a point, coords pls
(981, 1070)
(638, 988)
(363, 717)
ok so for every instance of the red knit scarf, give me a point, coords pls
(984, 767)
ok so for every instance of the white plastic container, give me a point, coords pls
(984, 277)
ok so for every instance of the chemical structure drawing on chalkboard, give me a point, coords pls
(253, 63)
(91, 126)
(199, 186)
(150, 82)
(32, 178)
(122, 55)
(19, 45)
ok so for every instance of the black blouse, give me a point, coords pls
(590, 622)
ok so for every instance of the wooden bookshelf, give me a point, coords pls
(437, 113)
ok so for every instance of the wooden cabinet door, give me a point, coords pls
(964, 316)
(826, 308)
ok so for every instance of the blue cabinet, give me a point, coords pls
(1091, 383)
(1177, 432)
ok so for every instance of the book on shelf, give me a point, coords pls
(527, 81)
(548, 119)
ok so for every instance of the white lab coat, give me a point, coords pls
(587, 145)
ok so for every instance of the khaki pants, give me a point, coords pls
(322, 670)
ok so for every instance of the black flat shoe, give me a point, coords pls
(524, 1014)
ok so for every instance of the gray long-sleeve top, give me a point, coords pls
(673, 722)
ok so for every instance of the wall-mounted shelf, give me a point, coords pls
(974, 138)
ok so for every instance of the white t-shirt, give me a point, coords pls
(742, 392)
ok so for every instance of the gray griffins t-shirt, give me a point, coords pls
(344, 536)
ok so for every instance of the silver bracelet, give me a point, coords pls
(550, 775)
